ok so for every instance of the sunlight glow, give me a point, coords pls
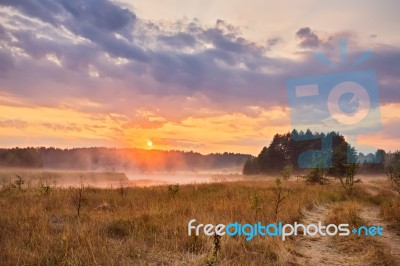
(149, 144)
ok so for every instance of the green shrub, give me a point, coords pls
(44, 188)
(316, 176)
(287, 172)
(173, 190)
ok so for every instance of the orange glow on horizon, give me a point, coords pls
(245, 131)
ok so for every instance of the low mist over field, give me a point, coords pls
(104, 167)
(113, 159)
(100, 179)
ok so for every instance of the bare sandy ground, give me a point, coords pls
(390, 239)
(318, 250)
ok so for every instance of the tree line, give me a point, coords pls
(117, 159)
(286, 149)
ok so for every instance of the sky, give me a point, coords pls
(208, 76)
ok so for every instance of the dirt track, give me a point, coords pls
(319, 250)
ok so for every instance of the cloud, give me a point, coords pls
(272, 42)
(4, 36)
(13, 123)
(44, 10)
(62, 127)
(178, 40)
(179, 143)
(391, 128)
(96, 20)
(6, 62)
(308, 38)
(101, 14)
(84, 44)
(59, 53)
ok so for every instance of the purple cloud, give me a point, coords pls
(308, 39)
(135, 59)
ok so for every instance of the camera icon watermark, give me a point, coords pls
(343, 102)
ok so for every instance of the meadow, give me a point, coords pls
(45, 225)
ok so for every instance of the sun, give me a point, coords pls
(149, 144)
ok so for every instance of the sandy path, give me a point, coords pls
(316, 250)
(390, 239)
(371, 214)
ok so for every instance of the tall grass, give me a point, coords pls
(365, 250)
(148, 225)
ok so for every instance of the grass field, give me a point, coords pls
(130, 226)
(60, 178)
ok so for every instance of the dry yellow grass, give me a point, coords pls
(149, 225)
(363, 250)
(62, 178)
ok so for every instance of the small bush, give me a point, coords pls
(348, 181)
(119, 229)
(317, 176)
(44, 188)
(279, 197)
(394, 177)
(287, 172)
(79, 198)
(255, 204)
(173, 190)
(19, 182)
(213, 258)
